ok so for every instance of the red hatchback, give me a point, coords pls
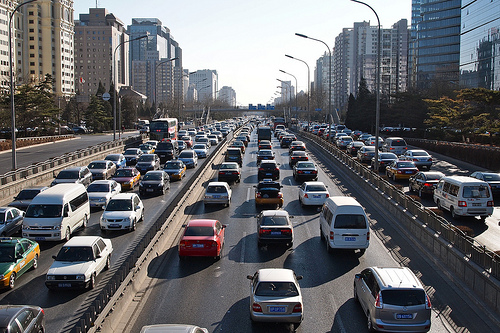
(202, 238)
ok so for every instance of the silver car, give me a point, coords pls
(217, 193)
(393, 300)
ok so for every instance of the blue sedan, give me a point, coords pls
(118, 159)
(201, 150)
(189, 157)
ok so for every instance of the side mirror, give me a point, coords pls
(299, 277)
(250, 277)
(65, 214)
(54, 257)
(224, 226)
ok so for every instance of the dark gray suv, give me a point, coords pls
(77, 175)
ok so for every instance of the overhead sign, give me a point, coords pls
(106, 96)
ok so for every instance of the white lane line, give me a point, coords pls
(248, 194)
(242, 255)
(290, 181)
(335, 310)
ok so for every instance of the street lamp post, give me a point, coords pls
(182, 90)
(308, 83)
(114, 80)
(289, 89)
(377, 83)
(11, 72)
(296, 85)
(329, 83)
(155, 81)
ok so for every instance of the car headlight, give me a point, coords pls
(127, 219)
(128, 183)
(51, 277)
(102, 199)
(159, 185)
(26, 227)
(57, 227)
(80, 277)
(141, 185)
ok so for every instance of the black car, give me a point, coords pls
(264, 155)
(11, 220)
(424, 182)
(492, 178)
(167, 150)
(384, 159)
(132, 155)
(234, 155)
(305, 170)
(154, 182)
(296, 145)
(274, 226)
(23, 198)
(147, 162)
(286, 141)
(22, 318)
(296, 156)
(269, 169)
(229, 172)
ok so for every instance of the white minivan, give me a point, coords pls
(464, 196)
(344, 225)
(56, 213)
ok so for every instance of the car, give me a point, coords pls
(268, 192)
(144, 129)
(264, 155)
(268, 169)
(176, 169)
(132, 155)
(343, 141)
(234, 155)
(154, 182)
(188, 140)
(265, 144)
(371, 141)
(153, 143)
(313, 194)
(167, 150)
(421, 158)
(148, 162)
(296, 145)
(229, 172)
(201, 150)
(364, 136)
(305, 170)
(365, 154)
(127, 177)
(243, 138)
(384, 159)
(17, 255)
(401, 170)
(78, 263)
(182, 145)
(24, 198)
(76, 175)
(353, 147)
(275, 296)
(101, 191)
(238, 144)
(172, 328)
(102, 169)
(202, 238)
(146, 148)
(217, 193)
(297, 155)
(492, 178)
(424, 182)
(122, 213)
(189, 158)
(274, 227)
(118, 159)
(22, 318)
(214, 140)
(287, 140)
(393, 300)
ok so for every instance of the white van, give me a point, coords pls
(56, 213)
(344, 225)
(464, 196)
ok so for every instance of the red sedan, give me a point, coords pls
(202, 238)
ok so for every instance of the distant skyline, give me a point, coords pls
(246, 42)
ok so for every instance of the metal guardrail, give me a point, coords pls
(471, 248)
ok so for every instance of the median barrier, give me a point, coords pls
(473, 263)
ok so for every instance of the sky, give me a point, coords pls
(246, 41)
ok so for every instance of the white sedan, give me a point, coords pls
(122, 212)
(101, 191)
(313, 194)
(79, 262)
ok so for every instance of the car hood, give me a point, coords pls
(99, 195)
(98, 171)
(117, 214)
(172, 171)
(6, 267)
(70, 267)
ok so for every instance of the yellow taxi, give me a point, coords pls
(17, 255)
(399, 169)
(176, 169)
(268, 192)
(146, 148)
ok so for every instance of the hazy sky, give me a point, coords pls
(246, 41)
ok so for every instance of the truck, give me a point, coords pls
(263, 133)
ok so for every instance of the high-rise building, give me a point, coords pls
(100, 38)
(228, 95)
(480, 44)
(206, 84)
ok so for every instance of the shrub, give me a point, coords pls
(437, 211)
(466, 230)
(415, 197)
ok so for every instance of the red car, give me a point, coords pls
(202, 238)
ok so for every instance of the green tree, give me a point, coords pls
(96, 116)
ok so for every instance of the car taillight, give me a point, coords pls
(214, 244)
(428, 304)
(331, 235)
(280, 195)
(327, 195)
(221, 172)
(300, 171)
(368, 236)
(182, 244)
(264, 231)
(256, 307)
(378, 301)
(490, 204)
(277, 169)
(391, 148)
(462, 204)
(236, 172)
(399, 171)
(428, 185)
(286, 231)
(261, 169)
(429, 160)
(258, 195)
(314, 172)
(297, 308)
(305, 195)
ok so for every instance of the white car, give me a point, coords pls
(78, 263)
(275, 296)
(101, 191)
(217, 193)
(313, 194)
(122, 212)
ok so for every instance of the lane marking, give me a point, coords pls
(242, 255)
(248, 194)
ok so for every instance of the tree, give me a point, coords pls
(96, 116)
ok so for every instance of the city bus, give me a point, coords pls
(163, 128)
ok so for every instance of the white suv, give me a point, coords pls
(122, 212)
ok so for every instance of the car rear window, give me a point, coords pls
(216, 189)
(234, 152)
(348, 221)
(316, 188)
(273, 289)
(403, 297)
(398, 143)
(479, 191)
(274, 220)
(199, 231)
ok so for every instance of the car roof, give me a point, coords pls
(201, 223)
(276, 275)
(397, 277)
(103, 181)
(274, 212)
(314, 183)
(217, 184)
(82, 240)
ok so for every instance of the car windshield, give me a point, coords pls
(348, 221)
(119, 205)
(477, 191)
(98, 188)
(97, 165)
(216, 189)
(315, 188)
(402, 297)
(173, 165)
(27, 194)
(406, 165)
(66, 174)
(491, 177)
(44, 211)
(7, 253)
(274, 220)
(229, 166)
(123, 173)
(146, 158)
(186, 154)
(199, 231)
(130, 152)
(152, 176)
(276, 289)
(76, 253)
(305, 165)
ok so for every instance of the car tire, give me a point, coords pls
(12, 280)
(369, 323)
(92, 281)
(438, 203)
(329, 250)
(67, 236)
(35, 262)
(355, 293)
(85, 222)
(133, 225)
(108, 263)
(453, 214)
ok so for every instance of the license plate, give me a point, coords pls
(476, 205)
(275, 232)
(64, 285)
(40, 238)
(216, 196)
(162, 155)
(114, 225)
(269, 174)
(149, 190)
(198, 245)
(404, 316)
(317, 196)
(409, 172)
(307, 172)
(277, 309)
(349, 239)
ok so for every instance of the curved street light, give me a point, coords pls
(11, 72)
(308, 83)
(182, 90)
(296, 87)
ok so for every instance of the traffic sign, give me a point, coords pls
(106, 96)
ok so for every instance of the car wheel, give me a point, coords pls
(133, 226)
(420, 193)
(369, 323)
(67, 236)
(85, 222)
(453, 214)
(35, 262)
(92, 281)
(438, 203)
(328, 248)
(108, 263)
(12, 280)
(301, 203)
(355, 294)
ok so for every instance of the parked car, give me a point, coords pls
(76, 175)
(176, 169)
(275, 296)
(313, 194)
(154, 182)
(424, 182)
(17, 255)
(229, 172)
(492, 178)
(103, 169)
(24, 198)
(365, 154)
(148, 162)
(268, 169)
(118, 159)
(79, 262)
(189, 158)
(202, 238)
(274, 227)
(268, 192)
(122, 213)
(132, 155)
(296, 156)
(393, 299)
(305, 170)
(401, 170)
(217, 193)
(384, 159)
(22, 318)
(127, 177)
(264, 155)
(101, 191)
(421, 158)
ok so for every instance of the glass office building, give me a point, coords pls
(480, 44)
